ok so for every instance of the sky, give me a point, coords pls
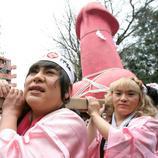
(25, 30)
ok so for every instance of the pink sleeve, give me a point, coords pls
(139, 139)
(94, 147)
(61, 135)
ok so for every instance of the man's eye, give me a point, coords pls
(117, 93)
(33, 71)
(131, 94)
(50, 72)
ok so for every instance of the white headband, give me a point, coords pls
(62, 62)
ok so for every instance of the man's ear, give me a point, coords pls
(68, 94)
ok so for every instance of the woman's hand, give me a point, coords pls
(94, 106)
(11, 109)
(4, 88)
(97, 122)
(13, 103)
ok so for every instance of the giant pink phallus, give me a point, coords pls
(100, 62)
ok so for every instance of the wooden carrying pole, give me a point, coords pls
(80, 104)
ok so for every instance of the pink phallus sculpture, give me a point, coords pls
(100, 62)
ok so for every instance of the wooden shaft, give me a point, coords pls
(80, 103)
(75, 103)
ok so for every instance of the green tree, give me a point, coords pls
(142, 55)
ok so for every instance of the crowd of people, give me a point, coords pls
(35, 123)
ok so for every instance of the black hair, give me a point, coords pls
(153, 93)
(65, 84)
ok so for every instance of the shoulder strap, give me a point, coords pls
(102, 148)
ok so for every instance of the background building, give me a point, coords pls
(6, 69)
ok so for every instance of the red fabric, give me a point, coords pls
(26, 123)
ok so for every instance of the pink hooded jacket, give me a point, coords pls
(60, 134)
(138, 140)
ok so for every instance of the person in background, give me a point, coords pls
(152, 91)
(129, 128)
(45, 127)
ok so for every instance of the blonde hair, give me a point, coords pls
(146, 106)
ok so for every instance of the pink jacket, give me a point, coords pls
(138, 140)
(60, 134)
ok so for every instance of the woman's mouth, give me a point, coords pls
(37, 88)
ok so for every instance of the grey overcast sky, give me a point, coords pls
(26, 27)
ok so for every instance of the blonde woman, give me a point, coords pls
(129, 128)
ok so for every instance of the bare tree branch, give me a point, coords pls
(134, 14)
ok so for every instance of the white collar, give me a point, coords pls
(124, 123)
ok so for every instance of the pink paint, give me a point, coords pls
(95, 27)
(100, 62)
